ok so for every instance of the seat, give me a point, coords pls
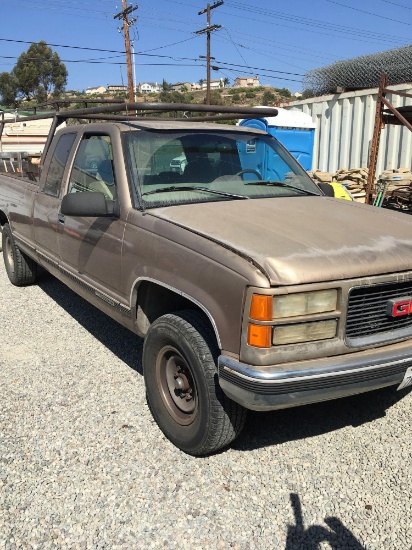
(105, 172)
(198, 171)
(104, 180)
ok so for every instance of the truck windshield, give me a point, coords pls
(169, 168)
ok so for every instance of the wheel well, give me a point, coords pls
(3, 218)
(151, 300)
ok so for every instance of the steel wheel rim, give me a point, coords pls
(176, 385)
(9, 253)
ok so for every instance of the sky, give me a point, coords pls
(276, 41)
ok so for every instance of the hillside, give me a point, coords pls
(261, 95)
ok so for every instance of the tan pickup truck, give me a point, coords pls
(251, 288)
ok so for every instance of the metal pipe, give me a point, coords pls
(375, 139)
(254, 112)
(397, 114)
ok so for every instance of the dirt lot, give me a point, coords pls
(82, 464)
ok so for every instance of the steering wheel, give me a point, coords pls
(249, 171)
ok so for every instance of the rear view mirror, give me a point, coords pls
(88, 204)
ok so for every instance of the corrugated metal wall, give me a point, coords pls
(344, 128)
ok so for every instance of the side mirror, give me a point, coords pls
(88, 204)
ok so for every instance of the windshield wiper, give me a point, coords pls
(193, 188)
(282, 184)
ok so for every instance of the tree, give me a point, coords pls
(215, 98)
(284, 92)
(308, 93)
(268, 97)
(8, 89)
(166, 86)
(171, 97)
(226, 82)
(39, 72)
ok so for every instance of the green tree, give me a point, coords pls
(268, 97)
(284, 92)
(226, 82)
(166, 86)
(171, 97)
(308, 93)
(215, 98)
(39, 72)
(8, 89)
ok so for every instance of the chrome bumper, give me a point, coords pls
(291, 384)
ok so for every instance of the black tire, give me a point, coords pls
(20, 268)
(183, 392)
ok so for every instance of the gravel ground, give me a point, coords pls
(83, 465)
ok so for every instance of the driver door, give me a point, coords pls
(91, 247)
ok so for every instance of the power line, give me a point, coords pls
(369, 13)
(396, 4)
(145, 55)
(308, 22)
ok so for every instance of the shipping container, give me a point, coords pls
(344, 128)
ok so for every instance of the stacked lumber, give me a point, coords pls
(321, 177)
(396, 178)
(354, 180)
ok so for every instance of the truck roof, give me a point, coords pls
(162, 124)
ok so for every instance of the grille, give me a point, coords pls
(367, 310)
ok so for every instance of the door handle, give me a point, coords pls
(61, 218)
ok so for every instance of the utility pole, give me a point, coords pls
(208, 30)
(124, 15)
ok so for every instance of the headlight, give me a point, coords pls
(304, 332)
(304, 303)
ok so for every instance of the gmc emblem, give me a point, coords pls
(398, 307)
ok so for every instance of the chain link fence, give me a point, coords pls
(361, 72)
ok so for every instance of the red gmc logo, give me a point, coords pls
(399, 307)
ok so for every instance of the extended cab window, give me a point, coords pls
(93, 167)
(57, 165)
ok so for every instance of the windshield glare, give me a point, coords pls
(164, 166)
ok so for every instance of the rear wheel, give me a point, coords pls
(20, 268)
(183, 392)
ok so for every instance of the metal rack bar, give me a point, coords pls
(380, 120)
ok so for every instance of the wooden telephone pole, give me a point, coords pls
(124, 15)
(208, 30)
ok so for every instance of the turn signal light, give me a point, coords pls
(261, 307)
(259, 336)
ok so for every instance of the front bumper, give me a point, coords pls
(299, 383)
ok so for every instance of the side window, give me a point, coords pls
(93, 167)
(58, 162)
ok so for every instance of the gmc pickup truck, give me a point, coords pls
(252, 289)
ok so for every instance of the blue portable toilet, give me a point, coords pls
(294, 129)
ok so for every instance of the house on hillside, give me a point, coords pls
(246, 82)
(214, 84)
(116, 88)
(95, 90)
(148, 87)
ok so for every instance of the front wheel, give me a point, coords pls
(21, 270)
(183, 392)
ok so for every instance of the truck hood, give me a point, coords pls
(307, 239)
